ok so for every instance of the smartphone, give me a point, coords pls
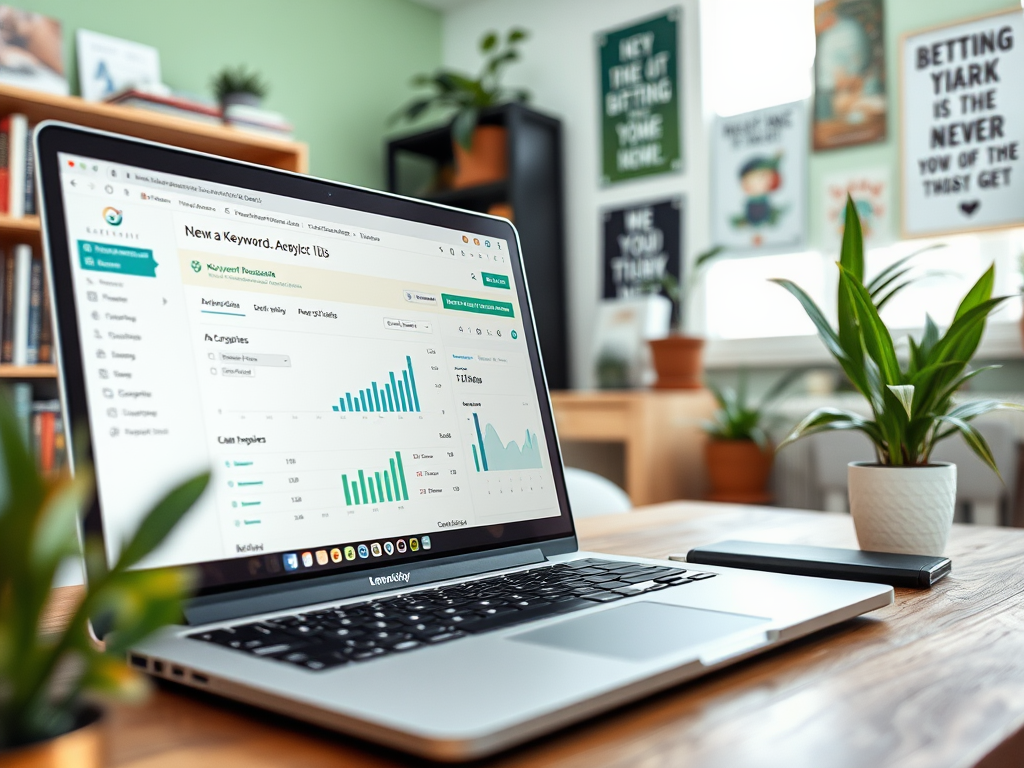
(897, 570)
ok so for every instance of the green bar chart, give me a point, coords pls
(376, 486)
(395, 393)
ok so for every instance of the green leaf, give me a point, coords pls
(851, 254)
(976, 408)
(974, 439)
(829, 419)
(708, 256)
(980, 292)
(164, 516)
(876, 281)
(877, 341)
(488, 41)
(885, 299)
(780, 386)
(517, 34)
(905, 394)
(930, 337)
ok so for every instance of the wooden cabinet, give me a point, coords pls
(655, 436)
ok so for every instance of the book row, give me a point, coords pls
(26, 335)
(17, 165)
(42, 426)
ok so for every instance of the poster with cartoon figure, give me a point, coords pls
(870, 189)
(759, 181)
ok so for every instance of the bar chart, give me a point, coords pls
(377, 486)
(491, 453)
(397, 394)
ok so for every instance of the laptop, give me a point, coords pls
(386, 547)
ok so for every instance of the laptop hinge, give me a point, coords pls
(250, 602)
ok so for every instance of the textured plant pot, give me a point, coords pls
(678, 361)
(485, 162)
(902, 509)
(248, 99)
(738, 471)
(83, 747)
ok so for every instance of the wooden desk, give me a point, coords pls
(935, 680)
(660, 433)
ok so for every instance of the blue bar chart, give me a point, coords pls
(492, 454)
(394, 393)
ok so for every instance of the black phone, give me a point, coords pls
(897, 570)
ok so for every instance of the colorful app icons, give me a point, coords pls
(425, 542)
(465, 239)
(476, 241)
(307, 559)
(364, 552)
(375, 549)
(400, 546)
(291, 562)
(414, 545)
(350, 553)
(321, 557)
(335, 555)
(389, 548)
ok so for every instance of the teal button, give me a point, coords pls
(120, 259)
(492, 280)
(479, 306)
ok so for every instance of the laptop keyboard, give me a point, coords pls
(331, 637)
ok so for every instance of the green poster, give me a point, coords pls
(640, 120)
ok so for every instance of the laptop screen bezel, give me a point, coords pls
(52, 138)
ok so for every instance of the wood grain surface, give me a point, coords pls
(937, 679)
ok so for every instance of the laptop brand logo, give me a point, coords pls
(393, 578)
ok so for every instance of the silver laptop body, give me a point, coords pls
(362, 373)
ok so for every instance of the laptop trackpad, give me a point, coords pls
(640, 631)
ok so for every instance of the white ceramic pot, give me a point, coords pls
(902, 509)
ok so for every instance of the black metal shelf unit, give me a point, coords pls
(533, 190)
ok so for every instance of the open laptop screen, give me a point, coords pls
(360, 384)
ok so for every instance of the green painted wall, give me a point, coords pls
(901, 16)
(337, 68)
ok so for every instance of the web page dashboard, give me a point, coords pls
(349, 378)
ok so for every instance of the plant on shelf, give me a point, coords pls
(51, 681)
(239, 85)
(901, 502)
(479, 150)
(678, 358)
(739, 450)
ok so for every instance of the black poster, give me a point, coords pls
(641, 244)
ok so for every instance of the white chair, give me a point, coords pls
(591, 495)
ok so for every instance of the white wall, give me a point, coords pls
(560, 68)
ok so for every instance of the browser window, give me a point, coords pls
(359, 385)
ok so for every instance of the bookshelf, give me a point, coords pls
(144, 124)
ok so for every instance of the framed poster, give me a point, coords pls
(31, 51)
(759, 192)
(870, 189)
(962, 120)
(641, 244)
(849, 73)
(107, 65)
(641, 132)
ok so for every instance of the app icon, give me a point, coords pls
(414, 545)
(375, 549)
(363, 551)
(476, 241)
(465, 239)
(321, 557)
(335, 555)
(389, 548)
(291, 561)
(400, 545)
(425, 541)
(307, 559)
(487, 243)
(350, 553)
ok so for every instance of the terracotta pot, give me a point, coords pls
(902, 509)
(83, 747)
(485, 162)
(678, 361)
(738, 471)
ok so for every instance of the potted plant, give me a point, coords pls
(678, 358)
(739, 452)
(480, 150)
(902, 502)
(50, 683)
(237, 85)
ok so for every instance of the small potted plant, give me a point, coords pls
(480, 150)
(739, 451)
(901, 502)
(50, 683)
(678, 358)
(237, 85)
